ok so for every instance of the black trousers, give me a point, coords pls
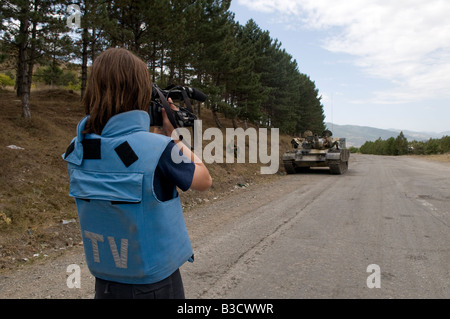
(169, 288)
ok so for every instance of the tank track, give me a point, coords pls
(289, 167)
(338, 168)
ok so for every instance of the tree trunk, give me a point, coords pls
(234, 123)
(26, 112)
(199, 104)
(171, 74)
(33, 48)
(93, 40)
(153, 62)
(84, 62)
(23, 90)
(24, 86)
(216, 119)
(161, 75)
(19, 75)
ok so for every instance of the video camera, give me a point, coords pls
(185, 117)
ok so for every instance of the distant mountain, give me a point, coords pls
(358, 135)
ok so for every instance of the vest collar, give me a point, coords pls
(120, 124)
(126, 123)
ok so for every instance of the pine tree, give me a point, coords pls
(310, 109)
(34, 18)
(214, 56)
(401, 145)
(247, 90)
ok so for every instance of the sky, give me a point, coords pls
(378, 63)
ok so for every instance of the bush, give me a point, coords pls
(6, 80)
(445, 144)
(74, 87)
(354, 149)
(56, 76)
(432, 146)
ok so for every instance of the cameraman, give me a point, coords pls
(125, 184)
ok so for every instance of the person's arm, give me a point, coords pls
(201, 180)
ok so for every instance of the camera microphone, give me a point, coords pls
(195, 94)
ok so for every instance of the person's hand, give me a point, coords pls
(201, 181)
(167, 128)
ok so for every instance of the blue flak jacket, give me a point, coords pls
(129, 236)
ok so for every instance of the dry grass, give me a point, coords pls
(33, 181)
(34, 199)
(437, 157)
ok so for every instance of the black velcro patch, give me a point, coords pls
(124, 203)
(126, 154)
(92, 149)
(69, 150)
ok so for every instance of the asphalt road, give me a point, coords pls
(306, 236)
(384, 224)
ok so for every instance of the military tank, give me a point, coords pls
(312, 150)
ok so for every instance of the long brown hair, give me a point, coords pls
(119, 82)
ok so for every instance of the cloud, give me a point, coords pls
(404, 41)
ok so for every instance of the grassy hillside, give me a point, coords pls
(37, 217)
